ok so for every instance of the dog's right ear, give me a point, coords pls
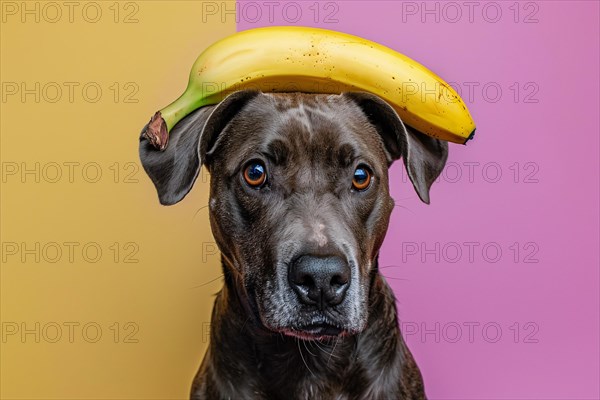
(424, 156)
(174, 170)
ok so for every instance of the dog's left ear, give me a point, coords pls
(174, 170)
(424, 156)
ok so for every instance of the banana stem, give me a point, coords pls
(164, 120)
(156, 132)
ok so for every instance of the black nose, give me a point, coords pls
(320, 281)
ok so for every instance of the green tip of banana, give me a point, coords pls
(314, 60)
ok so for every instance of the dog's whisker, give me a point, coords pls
(198, 211)
(324, 350)
(316, 344)
(391, 266)
(313, 344)
(302, 356)
(329, 353)
(307, 349)
(333, 351)
(206, 283)
(394, 278)
(404, 207)
(237, 275)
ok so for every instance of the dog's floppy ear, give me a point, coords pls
(424, 156)
(174, 170)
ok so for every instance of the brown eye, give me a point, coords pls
(361, 179)
(255, 174)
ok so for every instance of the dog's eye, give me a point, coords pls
(255, 174)
(362, 178)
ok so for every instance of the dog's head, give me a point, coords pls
(299, 200)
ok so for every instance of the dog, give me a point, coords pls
(299, 207)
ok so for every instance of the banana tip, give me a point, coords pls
(157, 132)
(471, 136)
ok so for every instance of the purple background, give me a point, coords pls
(551, 211)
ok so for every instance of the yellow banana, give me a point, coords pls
(313, 60)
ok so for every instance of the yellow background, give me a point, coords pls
(161, 293)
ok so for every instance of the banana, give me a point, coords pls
(313, 60)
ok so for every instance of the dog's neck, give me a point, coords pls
(242, 351)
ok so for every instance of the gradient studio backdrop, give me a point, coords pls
(104, 292)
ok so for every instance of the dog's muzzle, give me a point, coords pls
(320, 283)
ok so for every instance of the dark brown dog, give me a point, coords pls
(299, 207)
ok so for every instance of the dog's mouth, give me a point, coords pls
(315, 331)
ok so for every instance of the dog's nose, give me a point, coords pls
(320, 281)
